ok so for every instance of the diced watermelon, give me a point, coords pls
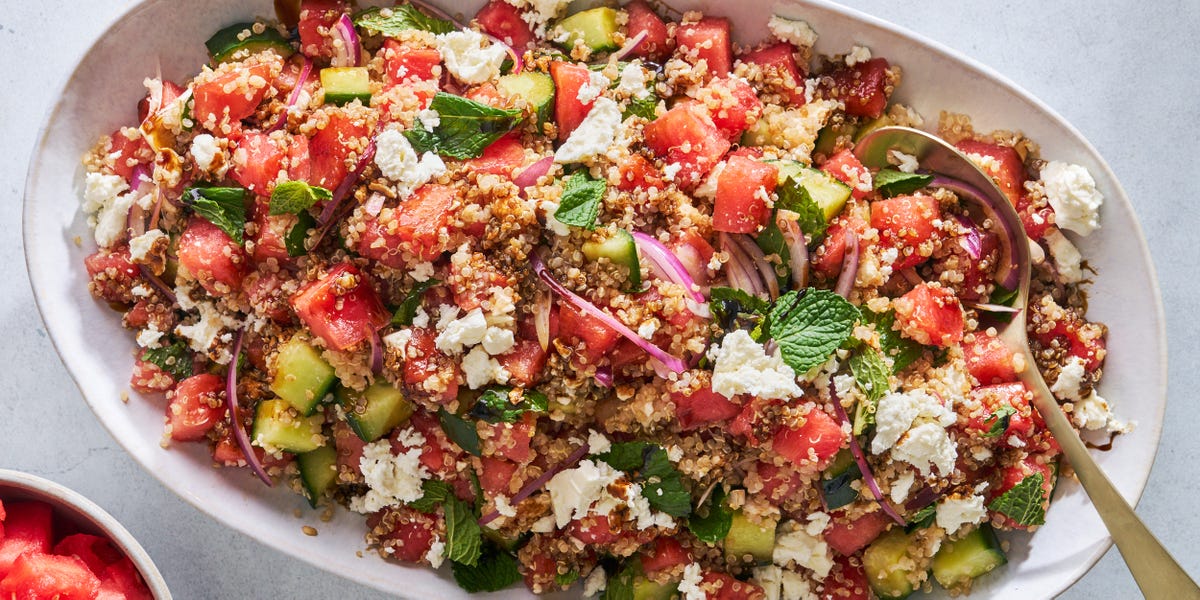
(931, 315)
(411, 534)
(128, 152)
(212, 257)
(689, 142)
(331, 147)
(989, 359)
(906, 223)
(36, 576)
(424, 361)
(496, 474)
(848, 537)
(231, 96)
(502, 157)
(725, 587)
(779, 483)
(847, 581)
(341, 307)
(121, 581)
(569, 111)
(744, 188)
(96, 552)
(1005, 166)
(113, 275)
(316, 19)
(595, 530)
(511, 441)
(195, 407)
(637, 173)
(707, 40)
(407, 61)
(703, 407)
(504, 21)
(349, 447)
(270, 235)
(832, 252)
(664, 554)
(1082, 339)
(257, 162)
(421, 220)
(733, 105)
(642, 19)
(1022, 424)
(845, 167)
(28, 528)
(524, 363)
(597, 338)
(816, 441)
(778, 62)
(863, 88)
(1014, 474)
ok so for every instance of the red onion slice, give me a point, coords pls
(629, 47)
(759, 260)
(923, 498)
(665, 265)
(325, 221)
(376, 353)
(670, 362)
(845, 282)
(971, 240)
(541, 319)
(235, 424)
(995, 308)
(797, 249)
(295, 95)
(1008, 274)
(604, 376)
(741, 274)
(157, 283)
(863, 465)
(533, 173)
(533, 486)
(349, 52)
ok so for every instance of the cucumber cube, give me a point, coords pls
(597, 28)
(375, 411)
(278, 425)
(318, 471)
(344, 85)
(749, 538)
(966, 558)
(302, 377)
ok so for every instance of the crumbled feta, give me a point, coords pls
(597, 443)
(481, 369)
(436, 553)
(111, 220)
(1093, 413)
(149, 337)
(927, 444)
(205, 150)
(1067, 258)
(447, 313)
(1070, 378)
(203, 333)
(400, 339)
(708, 188)
(674, 453)
(422, 271)
(901, 487)
(633, 80)
(540, 12)
(953, 513)
(140, 245)
(742, 366)
(798, 545)
(429, 119)
(646, 330)
(858, 54)
(459, 333)
(504, 507)
(795, 32)
(690, 585)
(906, 163)
(639, 509)
(99, 190)
(573, 491)
(391, 478)
(1072, 194)
(770, 579)
(796, 587)
(549, 207)
(594, 135)
(543, 525)
(398, 161)
(497, 340)
(671, 170)
(595, 583)
(595, 86)
(913, 424)
(470, 57)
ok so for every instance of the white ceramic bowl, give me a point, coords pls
(86, 517)
(169, 34)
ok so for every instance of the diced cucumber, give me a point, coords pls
(836, 480)
(830, 194)
(620, 249)
(864, 416)
(318, 471)
(302, 377)
(645, 589)
(747, 537)
(278, 425)
(597, 28)
(827, 139)
(872, 125)
(231, 41)
(505, 541)
(375, 411)
(536, 89)
(344, 85)
(964, 559)
(882, 560)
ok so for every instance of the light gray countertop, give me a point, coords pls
(1126, 72)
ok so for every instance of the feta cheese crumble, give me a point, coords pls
(742, 366)
(594, 135)
(633, 80)
(205, 150)
(857, 55)
(470, 56)
(913, 425)
(1093, 413)
(429, 119)
(804, 547)
(1070, 378)
(596, 84)
(690, 585)
(953, 513)
(796, 32)
(1067, 258)
(398, 161)
(1072, 194)
(573, 491)
(597, 443)
(596, 582)
(142, 244)
(480, 369)
(466, 331)
(391, 478)
(906, 163)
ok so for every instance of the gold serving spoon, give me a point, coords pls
(1157, 573)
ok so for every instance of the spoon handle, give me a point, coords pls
(1154, 569)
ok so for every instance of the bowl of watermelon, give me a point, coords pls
(55, 543)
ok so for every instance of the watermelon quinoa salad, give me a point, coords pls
(597, 300)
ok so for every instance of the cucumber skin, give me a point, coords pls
(879, 560)
(621, 249)
(311, 377)
(958, 562)
(294, 437)
(364, 423)
(318, 471)
(224, 43)
(595, 27)
(745, 537)
(356, 82)
(524, 85)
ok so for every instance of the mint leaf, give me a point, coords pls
(647, 108)
(648, 464)
(1003, 296)
(620, 586)
(922, 518)
(401, 18)
(174, 359)
(464, 539)
(495, 571)
(495, 405)
(999, 421)
(900, 349)
(742, 301)
(580, 202)
(837, 489)
(870, 373)
(1025, 502)
(224, 207)
(794, 197)
(892, 182)
(436, 493)
(460, 431)
(566, 579)
(407, 310)
(713, 526)
(626, 456)
(465, 127)
(299, 234)
(295, 197)
(810, 326)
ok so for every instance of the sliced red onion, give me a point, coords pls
(135, 221)
(157, 283)
(295, 95)
(665, 265)
(629, 47)
(863, 466)
(325, 221)
(235, 423)
(349, 52)
(541, 319)
(995, 308)
(797, 249)
(741, 274)
(845, 282)
(759, 260)
(537, 484)
(374, 204)
(376, 353)
(971, 240)
(670, 362)
(533, 173)
(518, 63)
(923, 498)
(1008, 274)
(604, 376)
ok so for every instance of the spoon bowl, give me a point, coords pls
(1156, 572)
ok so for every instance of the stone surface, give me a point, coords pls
(1123, 72)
